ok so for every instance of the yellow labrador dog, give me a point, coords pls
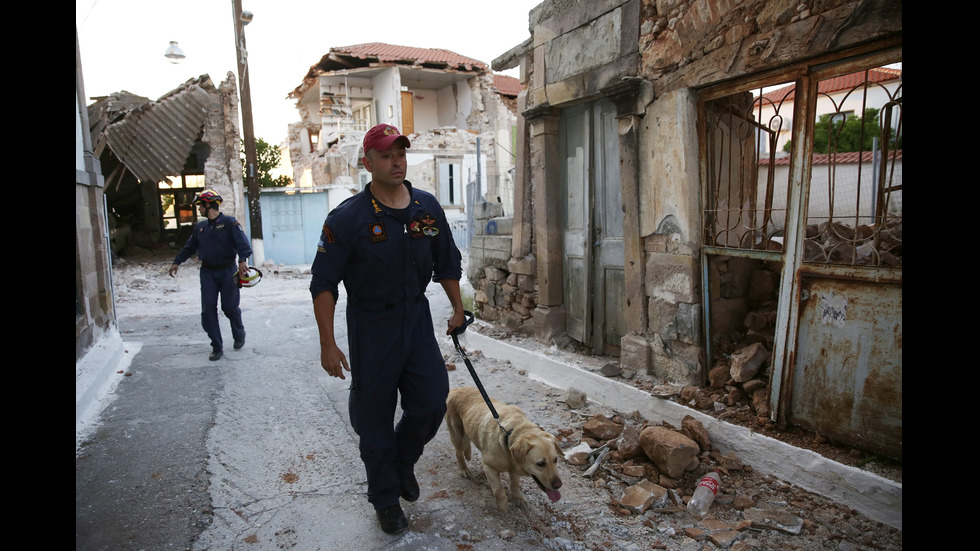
(525, 450)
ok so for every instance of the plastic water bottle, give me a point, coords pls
(704, 494)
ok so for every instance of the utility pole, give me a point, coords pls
(251, 163)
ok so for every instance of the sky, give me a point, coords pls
(122, 42)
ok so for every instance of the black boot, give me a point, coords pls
(392, 519)
(409, 486)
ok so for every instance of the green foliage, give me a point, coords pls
(267, 159)
(848, 133)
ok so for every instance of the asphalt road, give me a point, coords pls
(255, 451)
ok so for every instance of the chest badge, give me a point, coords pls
(377, 230)
(415, 228)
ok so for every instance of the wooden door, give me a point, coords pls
(408, 116)
(594, 278)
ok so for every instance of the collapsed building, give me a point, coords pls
(660, 216)
(156, 155)
(447, 104)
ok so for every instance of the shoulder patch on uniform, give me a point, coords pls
(377, 230)
(327, 233)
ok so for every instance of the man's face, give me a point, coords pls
(205, 210)
(387, 167)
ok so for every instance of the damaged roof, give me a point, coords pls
(436, 58)
(152, 139)
(374, 54)
(507, 85)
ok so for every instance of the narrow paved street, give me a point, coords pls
(255, 451)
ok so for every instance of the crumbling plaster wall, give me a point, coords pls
(223, 169)
(581, 50)
(472, 109)
(496, 116)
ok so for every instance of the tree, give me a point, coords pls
(848, 133)
(268, 158)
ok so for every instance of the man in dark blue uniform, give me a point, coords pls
(217, 240)
(386, 243)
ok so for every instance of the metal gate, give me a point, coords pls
(825, 213)
(291, 225)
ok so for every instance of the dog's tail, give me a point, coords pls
(457, 434)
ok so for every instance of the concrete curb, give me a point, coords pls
(96, 376)
(876, 497)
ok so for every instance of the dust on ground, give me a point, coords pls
(590, 515)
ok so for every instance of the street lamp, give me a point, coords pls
(242, 18)
(174, 54)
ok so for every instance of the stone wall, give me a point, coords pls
(505, 290)
(653, 58)
(691, 42)
(95, 314)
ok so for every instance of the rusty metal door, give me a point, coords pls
(847, 379)
(844, 363)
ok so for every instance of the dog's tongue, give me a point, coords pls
(553, 495)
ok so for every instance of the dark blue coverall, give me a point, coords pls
(217, 242)
(386, 259)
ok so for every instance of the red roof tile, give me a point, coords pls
(507, 85)
(418, 56)
(837, 84)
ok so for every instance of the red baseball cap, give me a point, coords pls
(382, 136)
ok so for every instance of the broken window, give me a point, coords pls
(745, 201)
(817, 151)
(176, 205)
(853, 212)
(450, 182)
(314, 138)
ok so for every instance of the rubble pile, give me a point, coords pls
(651, 461)
(651, 470)
(864, 245)
(444, 138)
(738, 383)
